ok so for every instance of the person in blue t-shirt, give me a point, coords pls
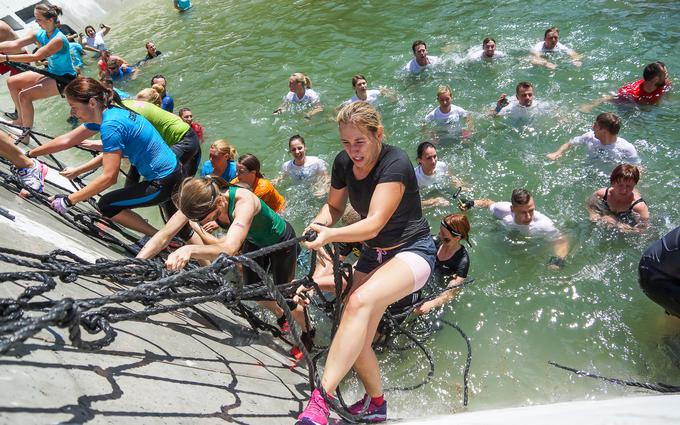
(29, 86)
(222, 161)
(124, 133)
(167, 102)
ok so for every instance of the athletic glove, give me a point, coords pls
(61, 204)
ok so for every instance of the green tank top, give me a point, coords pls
(267, 227)
(171, 127)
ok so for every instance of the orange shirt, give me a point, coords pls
(265, 190)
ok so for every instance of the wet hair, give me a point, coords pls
(486, 40)
(350, 216)
(361, 114)
(549, 30)
(110, 62)
(444, 89)
(106, 81)
(296, 137)
(609, 121)
(625, 172)
(251, 163)
(356, 79)
(182, 110)
(302, 78)
(420, 150)
(654, 69)
(158, 76)
(49, 11)
(417, 43)
(520, 197)
(90, 27)
(197, 197)
(160, 89)
(223, 147)
(149, 42)
(459, 223)
(82, 89)
(523, 85)
(150, 95)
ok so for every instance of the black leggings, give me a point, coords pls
(281, 263)
(659, 287)
(142, 194)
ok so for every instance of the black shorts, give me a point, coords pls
(63, 81)
(659, 287)
(142, 194)
(187, 150)
(281, 263)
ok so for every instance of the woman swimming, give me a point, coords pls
(620, 203)
(301, 93)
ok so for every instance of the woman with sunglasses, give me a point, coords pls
(248, 172)
(452, 262)
(250, 224)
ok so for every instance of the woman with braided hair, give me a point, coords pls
(250, 224)
(124, 133)
(53, 45)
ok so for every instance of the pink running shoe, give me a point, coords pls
(316, 412)
(372, 413)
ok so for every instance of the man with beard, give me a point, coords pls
(646, 91)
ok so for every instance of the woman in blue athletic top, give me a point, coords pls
(124, 133)
(28, 86)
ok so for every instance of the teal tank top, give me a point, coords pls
(267, 227)
(59, 63)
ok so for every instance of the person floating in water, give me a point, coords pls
(602, 141)
(421, 60)
(524, 102)
(620, 204)
(551, 44)
(302, 95)
(446, 118)
(649, 90)
(659, 272)
(182, 5)
(487, 52)
(520, 214)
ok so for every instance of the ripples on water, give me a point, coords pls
(230, 62)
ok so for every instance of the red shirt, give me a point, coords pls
(634, 93)
(4, 69)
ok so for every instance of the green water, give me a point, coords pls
(229, 61)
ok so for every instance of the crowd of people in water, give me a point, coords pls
(226, 206)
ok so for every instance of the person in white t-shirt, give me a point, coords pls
(603, 142)
(300, 94)
(488, 51)
(432, 172)
(362, 93)
(449, 115)
(523, 105)
(303, 167)
(520, 215)
(551, 44)
(420, 60)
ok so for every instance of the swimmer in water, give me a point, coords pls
(602, 141)
(620, 204)
(649, 90)
(188, 117)
(551, 44)
(304, 167)
(523, 105)
(449, 116)
(430, 171)
(421, 60)
(487, 52)
(167, 103)
(362, 93)
(520, 214)
(301, 93)
(396, 260)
